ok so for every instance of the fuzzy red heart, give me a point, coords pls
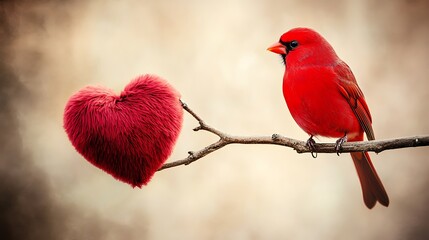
(129, 136)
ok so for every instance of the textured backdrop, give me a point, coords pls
(214, 53)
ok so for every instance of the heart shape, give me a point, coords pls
(129, 136)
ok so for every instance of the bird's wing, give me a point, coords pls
(350, 90)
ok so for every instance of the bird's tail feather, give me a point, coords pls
(372, 187)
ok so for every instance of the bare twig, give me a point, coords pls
(376, 146)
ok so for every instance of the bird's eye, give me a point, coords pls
(293, 44)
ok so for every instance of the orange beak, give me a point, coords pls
(277, 48)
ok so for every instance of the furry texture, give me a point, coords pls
(129, 136)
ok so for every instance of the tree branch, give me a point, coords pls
(376, 146)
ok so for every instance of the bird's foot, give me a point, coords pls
(311, 144)
(339, 144)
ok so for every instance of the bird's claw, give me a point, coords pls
(311, 144)
(339, 144)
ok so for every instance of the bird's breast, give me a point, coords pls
(316, 104)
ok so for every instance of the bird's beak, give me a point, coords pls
(277, 48)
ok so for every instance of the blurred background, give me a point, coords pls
(214, 53)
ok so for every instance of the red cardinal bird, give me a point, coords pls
(325, 100)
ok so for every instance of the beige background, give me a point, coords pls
(214, 53)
